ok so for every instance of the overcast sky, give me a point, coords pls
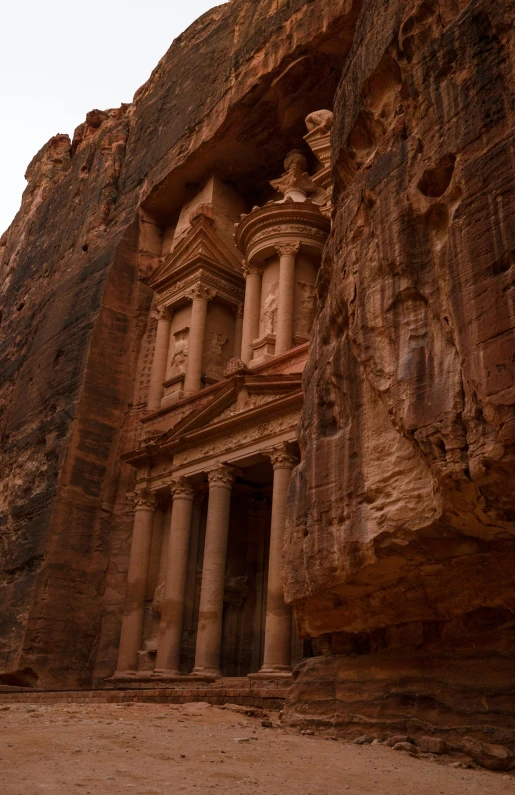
(57, 62)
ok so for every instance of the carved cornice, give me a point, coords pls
(222, 476)
(199, 292)
(288, 249)
(181, 489)
(144, 500)
(282, 457)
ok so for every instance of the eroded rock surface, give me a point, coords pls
(401, 533)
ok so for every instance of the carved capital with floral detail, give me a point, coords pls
(201, 293)
(222, 476)
(288, 249)
(282, 457)
(181, 489)
(161, 313)
(144, 500)
(252, 268)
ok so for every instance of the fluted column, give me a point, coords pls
(209, 633)
(200, 296)
(158, 372)
(172, 610)
(285, 303)
(133, 615)
(251, 309)
(238, 330)
(277, 654)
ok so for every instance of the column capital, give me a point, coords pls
(288, 249)
(200, 292)
(222, 476)
(182, 489)
(282, 457)
(238, 311)
(252, 268)
(144, 499)
(161, 313)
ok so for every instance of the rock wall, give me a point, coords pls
(75, 309)
(401, 548)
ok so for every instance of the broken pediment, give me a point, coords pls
(200, 248)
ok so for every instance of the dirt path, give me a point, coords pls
(165, 750)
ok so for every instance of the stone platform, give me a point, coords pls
(261, 694)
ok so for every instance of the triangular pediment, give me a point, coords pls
(241, 398)
(201, 245)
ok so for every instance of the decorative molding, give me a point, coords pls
(143, 499)
(288, 249)
(282, 457)
(222, 476)
(181, 489)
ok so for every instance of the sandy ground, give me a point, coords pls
(144, 749)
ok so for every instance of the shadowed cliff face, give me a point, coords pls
(74, 308)
(402, 514)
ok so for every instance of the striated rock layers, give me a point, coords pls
(400, 550)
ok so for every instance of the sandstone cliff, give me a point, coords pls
(401, 550)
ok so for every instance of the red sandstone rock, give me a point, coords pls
(400, 555)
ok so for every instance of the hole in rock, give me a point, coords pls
(25, 677)
(85, 247)
(20, 306)
(435, 181)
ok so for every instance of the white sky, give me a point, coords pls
(57, 62)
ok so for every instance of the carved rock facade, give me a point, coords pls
(140, 355)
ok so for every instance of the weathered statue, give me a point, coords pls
(269, 314)
(321, 120)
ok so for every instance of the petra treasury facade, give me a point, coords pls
(257, 377)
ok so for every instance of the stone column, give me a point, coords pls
(209, 633)
(158, 372)
(172, 610)
(251, 309)
(284, 332)
(238, 330)
(199, 300)
(277, 654)
(132, 621)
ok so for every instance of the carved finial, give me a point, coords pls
(181, 488)
(235, 367)
(295, 183)
(282, 456)
(143, 499)
(222, 476)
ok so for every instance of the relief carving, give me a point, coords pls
(179, 352)
(305, 313)
(269, 313)
(216, 360)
